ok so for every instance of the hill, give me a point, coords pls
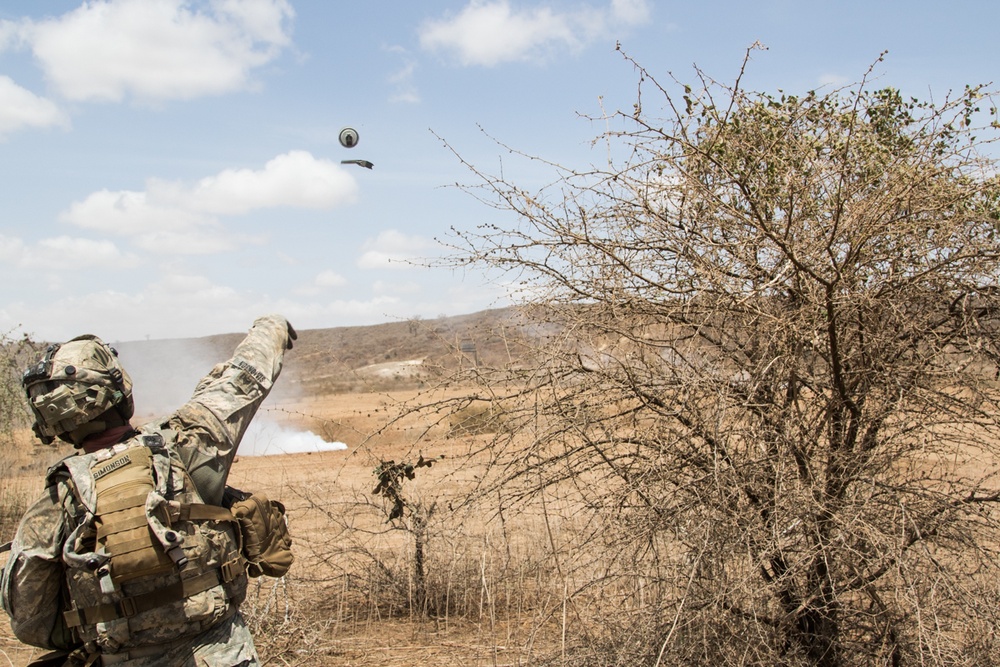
(334, 360)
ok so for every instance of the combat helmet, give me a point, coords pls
(76, 389)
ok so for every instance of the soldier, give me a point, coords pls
(127, 558)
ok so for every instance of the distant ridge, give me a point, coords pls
(325, 360)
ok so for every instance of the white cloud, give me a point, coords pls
(11, 34)
(172, 217)
(182, 303)
(165, 229)
(395, 287)
(405, 96)
(20, 108)
(294, 179)
(395, 250)
(63, 253)
(262, 20)
(177, 305)
(191, 242)
(195, 290)
(404, 89)
(330, 278)
(131, 213)
(630, 12)
(158, 49)
(491, 32)
(323, 281)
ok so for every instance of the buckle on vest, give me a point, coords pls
(73, 617)
(127, 607)
(231, 570)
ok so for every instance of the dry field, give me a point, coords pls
(451, 583)
(350, 597)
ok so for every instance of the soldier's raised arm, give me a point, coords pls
(211, 424)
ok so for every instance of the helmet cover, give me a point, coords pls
(75, 383)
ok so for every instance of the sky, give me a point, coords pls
(171, 169)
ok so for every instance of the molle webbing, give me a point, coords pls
(136, 604)
(123, 482)
(146, 545)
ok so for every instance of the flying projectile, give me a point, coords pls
(348, 137)
(361, 163)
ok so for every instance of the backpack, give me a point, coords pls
(146, 560)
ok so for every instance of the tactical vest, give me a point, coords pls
(148, 562)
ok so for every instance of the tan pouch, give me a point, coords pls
(267, 545)
(123, 482)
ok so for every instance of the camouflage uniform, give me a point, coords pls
(203, 436)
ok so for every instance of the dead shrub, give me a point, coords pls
(477, 418)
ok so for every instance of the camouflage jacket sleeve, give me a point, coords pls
(32, 585)
(210, 426)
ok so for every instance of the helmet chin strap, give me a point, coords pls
(106, 421)
(82, 432)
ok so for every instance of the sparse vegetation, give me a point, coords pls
(17, 447)
(478, 417)
(773, 385)
(749, 418)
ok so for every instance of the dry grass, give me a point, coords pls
(23, 462)
(493, 590)
(354, 596)
(485, 597)
(450, 583)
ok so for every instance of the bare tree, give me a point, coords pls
(770, 371)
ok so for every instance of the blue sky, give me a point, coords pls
(171, 169)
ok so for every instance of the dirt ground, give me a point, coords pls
(298, 621)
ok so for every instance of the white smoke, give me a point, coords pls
(165, 372)
(265, 438)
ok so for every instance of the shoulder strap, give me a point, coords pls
(202, 512)
(58, 469)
